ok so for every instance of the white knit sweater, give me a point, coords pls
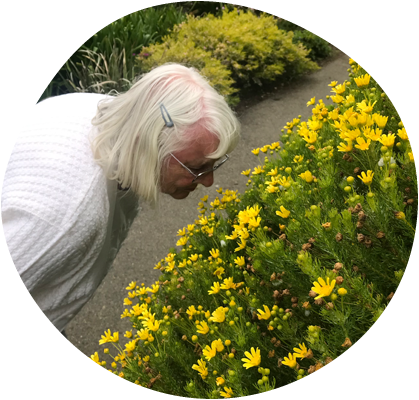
(64, 222)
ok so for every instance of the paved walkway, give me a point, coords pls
(154, 231)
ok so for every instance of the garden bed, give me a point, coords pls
(268, 286)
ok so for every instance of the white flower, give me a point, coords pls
(381, 162)
(222, 243)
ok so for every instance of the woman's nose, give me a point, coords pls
(207, 180)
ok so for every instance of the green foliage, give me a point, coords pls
(203, 8)
(349, 17)
(97, 73)
(319, 48)
(271, 285)
(251, 48)
(183, 51)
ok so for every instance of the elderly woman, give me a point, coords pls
(78, 171)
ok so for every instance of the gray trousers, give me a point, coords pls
(38, 370)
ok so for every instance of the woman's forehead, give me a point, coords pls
(198, 149)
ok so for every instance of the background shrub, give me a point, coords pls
(319, 48)
(183, 50)
(107, 61)
(250, 47)
(244, 280)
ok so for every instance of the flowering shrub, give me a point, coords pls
(249, 48)
(271, 285)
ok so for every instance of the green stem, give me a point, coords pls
(347, 336)
(410, 226)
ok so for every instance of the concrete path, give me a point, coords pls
(154, 231)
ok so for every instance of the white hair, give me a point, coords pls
(132, 140)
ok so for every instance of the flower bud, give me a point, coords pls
(339, 280)
(400, 215)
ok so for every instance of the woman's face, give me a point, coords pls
(176, 180)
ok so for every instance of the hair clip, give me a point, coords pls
(163, 110)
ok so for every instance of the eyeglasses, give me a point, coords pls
(169, 123)
(197, 176)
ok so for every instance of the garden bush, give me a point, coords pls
(251, 48)
(268, 286)
(319, 48)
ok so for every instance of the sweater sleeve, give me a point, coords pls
(49, 259)
(43, 268)
(26, 236)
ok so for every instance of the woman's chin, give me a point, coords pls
(181, 194)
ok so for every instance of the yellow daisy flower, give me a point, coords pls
(323, 288)
(203, 328)
(290, 361)
(201, 368)
(253, 358)
(300, 352)
(284, 213)
(363, 80)
(228, 392)
(265, 313)
(218, 315)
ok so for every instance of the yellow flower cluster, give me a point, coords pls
(248, 219)
(299, 352)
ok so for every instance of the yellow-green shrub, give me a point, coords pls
(184, 51)
(251, 47)
(271, 285)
